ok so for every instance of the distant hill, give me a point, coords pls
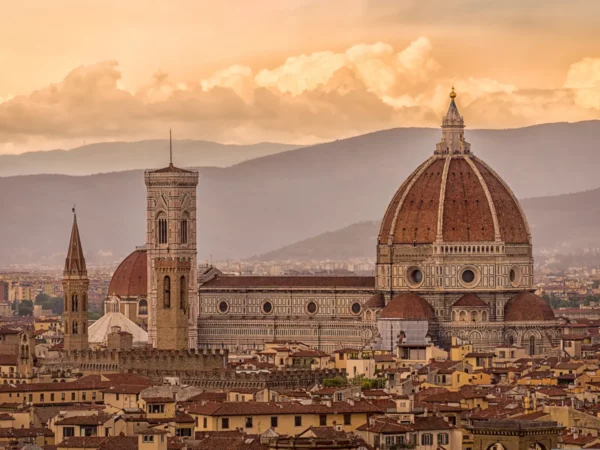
(120, 156)
(267, 203)
(564, 223)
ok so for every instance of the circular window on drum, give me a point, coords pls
(414, 276)
(311, 307)
(356, 308)
(515, 276)
(469, 276)
(223, 307)
(267, 307)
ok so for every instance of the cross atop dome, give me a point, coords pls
(453, 125)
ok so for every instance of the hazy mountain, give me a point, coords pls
(119, 156)
(564, 223)
(267, 203)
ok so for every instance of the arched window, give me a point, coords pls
(74, 303)
(143, 307)
(67, 326)
(74, 327)
(162, 229)
(484, 316)
(511, 340)
(84, 302)
(183, 229)
(453, 316)
(463, 316)
(167, 292)
(473, 316)
(182, 293)
(532, 345)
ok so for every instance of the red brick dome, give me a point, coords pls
(455, 197)
(131, 277)
(527, 307)
(407, 306)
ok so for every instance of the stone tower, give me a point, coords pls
(75, 288)
(172, 253)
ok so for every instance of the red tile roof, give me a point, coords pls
(255, 408)
(131, 277)
(408, 306)
(353, 282)
(470, 300)
(527, 307)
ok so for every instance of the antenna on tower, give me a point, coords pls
(170, 148)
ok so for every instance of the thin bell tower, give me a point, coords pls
(75, 289)
(172, 256)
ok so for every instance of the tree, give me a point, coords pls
(25, 308)
(334, 382)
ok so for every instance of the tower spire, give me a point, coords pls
(75, 261)
(453, 126)
(170, 149)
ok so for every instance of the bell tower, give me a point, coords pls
(172, 257)
(75, 288)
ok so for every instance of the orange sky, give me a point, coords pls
(297, 71)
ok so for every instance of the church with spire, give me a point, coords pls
(75, 291)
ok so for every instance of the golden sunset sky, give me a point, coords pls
(295, 71)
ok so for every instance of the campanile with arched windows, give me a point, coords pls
(75, 288)
(172, 257)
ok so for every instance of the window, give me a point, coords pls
(248, 422)
(347, 419)
(297, 421)
(267, 307)
(117, 395)
(427, 439)
(184, 231)
(74, 327)
(339, 396)
(182, 293)
(184, 432)
(74, 303)
(106, 432)
(30, 398)
(156, 409)
(73, 396)
(162, 230)
(148, 438)
(68, 431)
(473, 316)
(223, 307)
(204, 422)
(356, 308)
(52, 397)
(311, 308)
(167, 292)
(532, 345)
(94, 395)
(274, 422)
(143, 307)
(41, 397)
(443, 439)
(323, 420)
(225, 423)
(62, 396)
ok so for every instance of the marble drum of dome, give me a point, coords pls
(454, 225)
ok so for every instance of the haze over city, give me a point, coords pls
(291, 224)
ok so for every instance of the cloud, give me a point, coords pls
(308, 98)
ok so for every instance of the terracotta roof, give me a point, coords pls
(408, 306)
(158, 400)
(290, 282)
(376, 301)
(119, 443)
(25, 432)
(8, 360)
(255, 408)
(131, 277)
(526, 307)
(384, 425)
(81, 442)
(413, 213)
(470, 300)
(85, 420)
(170, 169)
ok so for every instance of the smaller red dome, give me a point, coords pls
(131, 277)
(408, 306)
(527, 307)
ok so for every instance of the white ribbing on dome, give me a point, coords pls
(453, 126)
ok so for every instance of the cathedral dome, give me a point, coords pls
(407, 306)
(454, 197)
(527, 307)
(131, 277)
